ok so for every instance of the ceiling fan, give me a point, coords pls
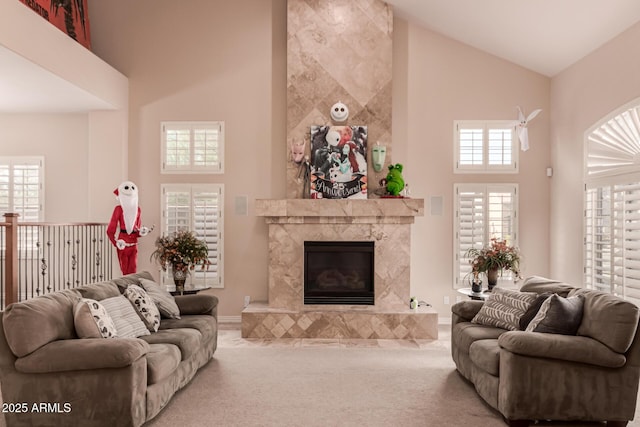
(522, 123)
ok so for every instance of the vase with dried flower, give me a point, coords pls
(180, 252)
(493, 259)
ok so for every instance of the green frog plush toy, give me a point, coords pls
(395, 182)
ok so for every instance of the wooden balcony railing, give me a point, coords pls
(37, 258)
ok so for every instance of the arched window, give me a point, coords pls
(612, 204)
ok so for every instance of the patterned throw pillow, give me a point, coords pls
(91, 320)
(163, 299)
(558, 315)
(504, 308)
(128, 323)
(145, 307)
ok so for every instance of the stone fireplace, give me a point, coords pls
(384, 222)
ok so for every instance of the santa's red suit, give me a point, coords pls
(124, 227)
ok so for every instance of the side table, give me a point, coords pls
(481, 296)
(191, 291)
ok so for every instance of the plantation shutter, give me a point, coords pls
(597, 239)
(197, 208)
(482, 212)
(192, 147)
(471, 227)
(626, 235)
(485, 147)
(21, 187)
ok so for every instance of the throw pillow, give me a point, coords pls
(91, 320)
(145, 307)
(164, 300)
(558, 315)
(127, 321)
(528, 316)
(504, 308)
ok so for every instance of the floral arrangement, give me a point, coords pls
(497, 256)
(181, 250)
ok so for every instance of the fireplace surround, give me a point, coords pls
(386, 223)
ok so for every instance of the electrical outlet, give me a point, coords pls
(446, 300)
(247, 300)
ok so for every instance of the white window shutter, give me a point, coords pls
(21, 187)
(482, 212)
(197, 208)
(485, 147)
(192, 147)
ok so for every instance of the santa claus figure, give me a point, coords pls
(124, 228)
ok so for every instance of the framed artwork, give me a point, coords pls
(338, 166)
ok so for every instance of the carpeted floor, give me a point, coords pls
(331, 383)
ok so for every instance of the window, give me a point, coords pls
(198, 208)
(482, 212)
(485, 147)
(192, 147)
(612, 204)
(22, 187)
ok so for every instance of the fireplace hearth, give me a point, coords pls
(339, 272)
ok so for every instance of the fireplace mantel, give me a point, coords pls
(292, 222)
(392, 210)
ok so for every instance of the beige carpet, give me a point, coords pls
(331, 383)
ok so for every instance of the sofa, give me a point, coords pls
(580, 361)
(61, 364)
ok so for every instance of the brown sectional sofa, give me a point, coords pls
(59, 379)
(590, 376)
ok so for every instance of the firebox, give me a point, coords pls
(339, 273)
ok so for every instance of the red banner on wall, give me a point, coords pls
(70, 16)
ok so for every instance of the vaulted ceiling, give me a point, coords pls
(542, 35)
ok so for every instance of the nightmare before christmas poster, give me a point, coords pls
(338, 162)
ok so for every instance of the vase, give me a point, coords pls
(476, 286)
(179, 278)
(492, 278)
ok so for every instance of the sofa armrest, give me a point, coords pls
(466, 310)
(83, 354)
(197, 304)
(563, 347)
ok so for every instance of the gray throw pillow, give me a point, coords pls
(163, 299)
(504, 308)
(558, 315)
(528, 316)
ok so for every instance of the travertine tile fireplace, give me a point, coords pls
(386, 223)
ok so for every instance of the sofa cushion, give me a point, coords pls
(130, 279)
(558, 315)
(98, 291)
(30, 324)
(186, 339)
(466, 333)
(162, 360)
(609, 319)
(485, 354)
(91, 320)
(504, 308)
(128, 323)
(540, 284)
(144, 306)
(205, 324)
(164, 300)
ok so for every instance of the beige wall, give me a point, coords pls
(226, 61)
(204, 61)
(581, 96)
(436, 81)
